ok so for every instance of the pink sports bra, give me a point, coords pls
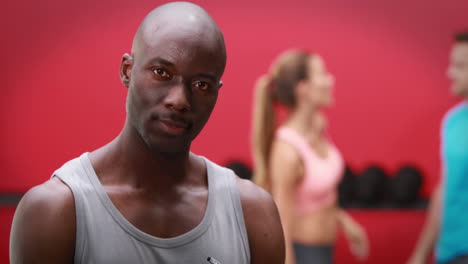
(318, 187)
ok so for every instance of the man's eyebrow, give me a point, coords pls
(212, 77)
(162, 61)
(208, 76)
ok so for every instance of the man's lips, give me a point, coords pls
(174, 123)
(174, 126)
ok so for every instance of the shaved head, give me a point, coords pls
(181, 21)
(173, 75)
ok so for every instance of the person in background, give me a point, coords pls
(297, 163)
(447, 222)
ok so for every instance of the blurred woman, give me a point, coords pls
(297, 163)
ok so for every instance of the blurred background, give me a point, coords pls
(62, 94)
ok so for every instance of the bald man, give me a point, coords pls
(144, 197)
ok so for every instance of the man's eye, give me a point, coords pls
(201, 85)
(162, 73)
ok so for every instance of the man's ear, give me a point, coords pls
(126, 69)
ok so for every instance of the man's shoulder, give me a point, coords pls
(456, 111)
(248, 189)
(44, 225)
(251, 195)
(262, 222)
(254, 198)
(47, 203)
(52, 195)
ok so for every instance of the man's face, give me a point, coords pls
(458, 69)
(173, 87)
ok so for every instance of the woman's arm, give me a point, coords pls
(354, 233)
(285, 172)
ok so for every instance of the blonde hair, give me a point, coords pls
(277, 86)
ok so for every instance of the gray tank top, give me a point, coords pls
(103, 235)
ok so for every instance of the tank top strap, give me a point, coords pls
(73, 174)
(297, 141)
(226, 191)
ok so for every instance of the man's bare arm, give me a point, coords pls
(43, 229)
(430, 231)
(263, 224)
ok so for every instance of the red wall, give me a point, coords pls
(386, 245)
(62, 96)
(61, 93)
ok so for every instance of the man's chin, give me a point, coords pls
(167, 146)
(170, 148)
(458, 92)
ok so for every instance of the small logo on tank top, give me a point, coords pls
(212, 260)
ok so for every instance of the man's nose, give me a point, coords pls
(177, 98)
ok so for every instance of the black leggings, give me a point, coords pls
(313, 254)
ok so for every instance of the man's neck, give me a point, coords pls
(128, 160)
